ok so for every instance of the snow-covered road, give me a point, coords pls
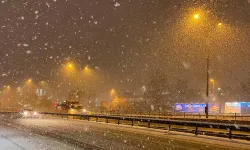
(93, 135)
(15, 139)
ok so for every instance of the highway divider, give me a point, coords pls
(242, 131)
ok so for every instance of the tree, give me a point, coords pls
(105, 106)
(119, 104)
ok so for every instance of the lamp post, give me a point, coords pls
(219, 25)
(207, 90)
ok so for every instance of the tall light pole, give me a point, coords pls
(207, 90)
(80, 86)
(196, 17)
(208, 76)
(72, 71)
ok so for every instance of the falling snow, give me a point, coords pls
(151, 54)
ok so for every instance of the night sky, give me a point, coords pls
(127, 40)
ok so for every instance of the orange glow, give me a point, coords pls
(196, 16)
(219, 24)
(112, 92)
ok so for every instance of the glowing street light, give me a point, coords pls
(70, 65)
(69, 68)
(88, 72)
(112, 92)
(196, 16)
(29, 80)
(86, 68)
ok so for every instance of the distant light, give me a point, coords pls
(86, 68)
(30, 80)
(219, 24)
(112, 92)
(70, 67)
(25, 113)
(219, 89)
(212, 80)
(196, 16)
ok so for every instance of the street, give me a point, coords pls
(15, 139)
(51, 133)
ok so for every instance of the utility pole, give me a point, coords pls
(207, 90)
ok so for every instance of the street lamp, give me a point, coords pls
(86, 68)
(29, 80)
(70, 65)
(196, 16)
(219, 24)
(112, 92)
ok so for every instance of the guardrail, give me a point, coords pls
(8, 112)
(196, 124)
(232, 116)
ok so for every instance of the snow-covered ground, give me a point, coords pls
(92, 135)
(14, 139)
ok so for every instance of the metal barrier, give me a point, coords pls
(229, 127)
(169, 122)
(232, 116)
(8, 112)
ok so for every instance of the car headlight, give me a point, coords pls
(25, 113)
(35, 113)
(84, 110)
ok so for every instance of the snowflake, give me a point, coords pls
(28, 52)
(117, 4)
